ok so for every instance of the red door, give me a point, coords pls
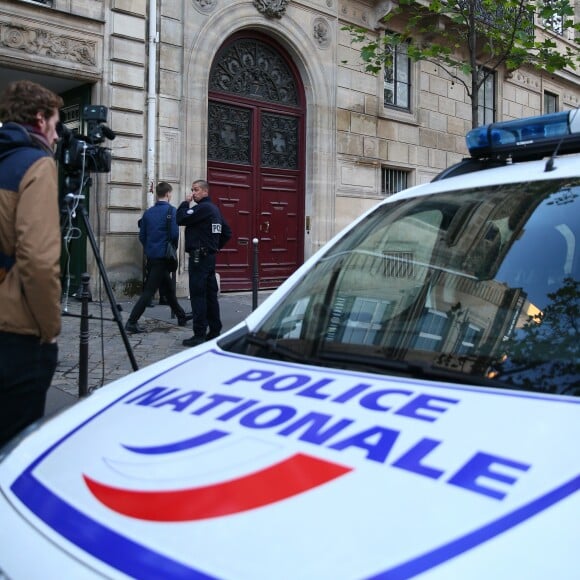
(256, 160)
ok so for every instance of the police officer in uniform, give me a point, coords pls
(206, 232)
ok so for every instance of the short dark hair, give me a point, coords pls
(162, 189)
(22, 100)
(202, 183)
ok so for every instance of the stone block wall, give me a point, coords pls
(351, 137)
(124, 92)
(428, 138)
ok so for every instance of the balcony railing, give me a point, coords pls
(500, 14)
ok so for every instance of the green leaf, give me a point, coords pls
(504, 32)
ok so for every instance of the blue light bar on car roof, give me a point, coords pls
(532, 137)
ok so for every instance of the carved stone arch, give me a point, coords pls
(318, 71)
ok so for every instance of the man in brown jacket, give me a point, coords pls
(29, 253)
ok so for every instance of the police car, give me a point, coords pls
(404, 406)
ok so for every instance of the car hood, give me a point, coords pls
(213, 465)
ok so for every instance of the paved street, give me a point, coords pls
(108, 358)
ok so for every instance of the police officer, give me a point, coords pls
(206, 232)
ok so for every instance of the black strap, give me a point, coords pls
(169, 224)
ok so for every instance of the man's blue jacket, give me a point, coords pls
(153, 228)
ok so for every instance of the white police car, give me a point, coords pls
(404, 406)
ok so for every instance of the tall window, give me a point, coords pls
(432, 328)
(486, 105)
(357, 320)
(469, 340)
(550, 102)
(364, 320)
(397, 78)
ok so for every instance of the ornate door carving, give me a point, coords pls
(256, 159)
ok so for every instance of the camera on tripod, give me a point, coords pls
(79, 154)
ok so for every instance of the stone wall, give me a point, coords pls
(431, 136)
(124, 92)
(351, 137)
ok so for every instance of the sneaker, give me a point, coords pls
(193, 341)
(133, 327)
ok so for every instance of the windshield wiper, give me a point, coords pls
(412, 369)
(273, 347)
(384, 366)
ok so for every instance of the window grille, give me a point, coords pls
(500, 17)
(399, 264)
(393, 180)
(71, 117)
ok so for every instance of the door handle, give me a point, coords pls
(265, 228)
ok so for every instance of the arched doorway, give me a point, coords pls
(255, 146)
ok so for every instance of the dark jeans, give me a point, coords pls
(203, 293)
(26, 370)
(157, 279)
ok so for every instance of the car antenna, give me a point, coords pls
(550, 163)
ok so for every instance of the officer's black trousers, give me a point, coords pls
(203, 292)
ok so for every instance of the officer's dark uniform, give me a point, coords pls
(206, 232)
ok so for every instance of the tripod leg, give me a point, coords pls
(84, 338)
(108, 289)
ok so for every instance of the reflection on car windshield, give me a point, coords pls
(481, 282)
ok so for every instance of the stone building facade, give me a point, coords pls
(265, 98)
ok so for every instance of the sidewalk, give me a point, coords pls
(108, 358)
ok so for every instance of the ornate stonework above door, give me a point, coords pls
(271, 8)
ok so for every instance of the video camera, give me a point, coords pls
(78, 154)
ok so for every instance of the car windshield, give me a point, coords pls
(479, 285)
